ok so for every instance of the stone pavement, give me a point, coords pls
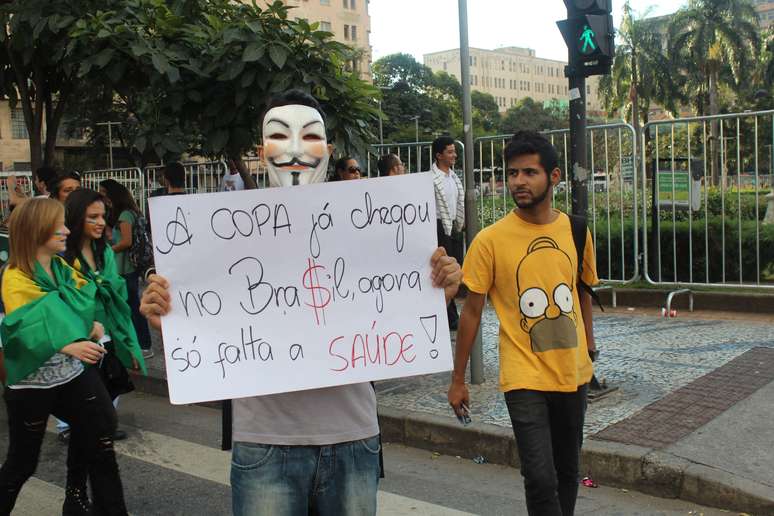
(691, 416)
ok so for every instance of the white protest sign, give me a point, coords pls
(287, 289)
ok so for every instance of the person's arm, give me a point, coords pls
(470, 319)
(126, 237)
(588, 323)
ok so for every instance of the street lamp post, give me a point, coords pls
(415, 118)
(110, 139)
(381, 128)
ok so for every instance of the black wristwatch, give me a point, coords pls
(593, 354)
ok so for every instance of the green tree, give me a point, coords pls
(713, 44)
(486, 113)
(37, 71)
(528, 115)
(411, 89)
(194, 75)
(641, 72)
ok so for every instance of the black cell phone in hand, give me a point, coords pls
(464, 419)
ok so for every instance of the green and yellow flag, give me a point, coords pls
(43, 315)
(112, 309)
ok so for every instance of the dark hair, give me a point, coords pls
(53, 185)
(530, 142)
(174, 174)
(120, 198)
(440, 144)
(341, 163)
(75, 215)
(387, 163)
(291, 98)
(46, 174)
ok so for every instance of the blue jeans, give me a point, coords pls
(549, 433)
(333, 480)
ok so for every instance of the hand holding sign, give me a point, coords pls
(289, 289)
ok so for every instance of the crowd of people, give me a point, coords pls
(76, 321)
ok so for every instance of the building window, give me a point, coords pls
(444, 66)
(346, 32)
(18, 127)
(325, 2)
(354, 32)
(326, 26)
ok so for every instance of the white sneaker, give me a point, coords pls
(147, 353)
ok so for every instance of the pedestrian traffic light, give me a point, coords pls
(588, 32)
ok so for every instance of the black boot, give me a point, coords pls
(76, 502)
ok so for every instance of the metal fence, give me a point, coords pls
(23, 185)
(613, 192)
(415, 156)
(706, 180)
(132, 178)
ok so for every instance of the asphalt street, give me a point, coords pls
(172, 465)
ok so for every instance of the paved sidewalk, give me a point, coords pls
(693, 415)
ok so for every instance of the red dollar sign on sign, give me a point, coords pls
(321, 296)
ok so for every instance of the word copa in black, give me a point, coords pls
(226, 223)
(402, 215)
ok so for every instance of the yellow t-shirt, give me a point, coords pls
(529, 272)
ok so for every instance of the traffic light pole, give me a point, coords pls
(579, 172)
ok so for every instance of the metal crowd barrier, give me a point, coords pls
(612, 188)
(23, 184)
(705, 180)
(131, 178)
(416, 157)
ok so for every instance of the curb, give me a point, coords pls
(613, 464)
(718, 301)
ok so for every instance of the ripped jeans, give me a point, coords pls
(85, 405)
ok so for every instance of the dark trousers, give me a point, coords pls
(453, 245)
(140, 324)
(549, 433)
(84, 404)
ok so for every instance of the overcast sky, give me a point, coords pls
(419, 27)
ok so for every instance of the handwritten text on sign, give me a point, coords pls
(296, 288)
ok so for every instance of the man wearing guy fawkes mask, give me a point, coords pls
(313, 451)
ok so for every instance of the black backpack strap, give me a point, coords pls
(226, 424)
(579, 232)
(381, 450)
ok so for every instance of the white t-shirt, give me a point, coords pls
(450, 192)
(315, 417)
(231, 183)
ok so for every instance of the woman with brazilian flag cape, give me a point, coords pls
(48, 334)
(43, 315)
(88, 253)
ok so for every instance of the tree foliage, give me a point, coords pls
(713, 43)
(528, 115)
(641, 72)
(37, 72)
(195, 75)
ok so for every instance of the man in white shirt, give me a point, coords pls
(450, 206)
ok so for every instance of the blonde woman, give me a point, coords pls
(48, 334)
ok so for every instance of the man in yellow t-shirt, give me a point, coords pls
(527, 264)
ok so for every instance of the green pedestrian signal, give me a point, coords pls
(587, 40)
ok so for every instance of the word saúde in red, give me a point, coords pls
(368, 348)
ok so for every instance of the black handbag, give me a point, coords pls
(114, 375)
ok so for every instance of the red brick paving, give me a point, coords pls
(671, 418)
